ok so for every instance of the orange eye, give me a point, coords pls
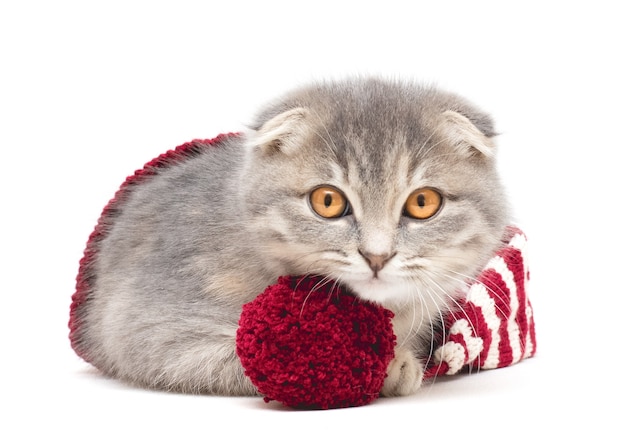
(423, 204)
(329, 202)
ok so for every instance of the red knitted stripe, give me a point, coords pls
(511, 231)
(531, 331)
(515, 262)
(479, 325)
(436, 370)
(499, 292)
(84, 279)
(520, 318)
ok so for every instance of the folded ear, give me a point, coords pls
(465, 136)
(282, 133)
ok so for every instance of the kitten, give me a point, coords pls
(389, 188)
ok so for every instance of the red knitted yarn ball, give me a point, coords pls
(309, 344)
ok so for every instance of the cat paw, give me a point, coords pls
(404, 375)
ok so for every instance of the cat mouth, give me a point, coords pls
(375, 289)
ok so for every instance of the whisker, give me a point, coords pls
(421, 150)
(452, 305)
(500, 293)
(431, 293)
(413, 329)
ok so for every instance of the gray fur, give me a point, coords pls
(199, 239)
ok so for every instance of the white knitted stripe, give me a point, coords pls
(499, 265)
(479, 295)
(520, 242)
(529, 342)
(453, 354)
(473, 344)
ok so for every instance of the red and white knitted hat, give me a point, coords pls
(494, 326)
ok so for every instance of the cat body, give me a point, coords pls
(388, 188)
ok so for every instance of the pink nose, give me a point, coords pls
(376, 262)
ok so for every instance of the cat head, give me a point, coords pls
(388, 188)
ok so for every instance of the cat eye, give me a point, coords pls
(423, 204)
(329, 202)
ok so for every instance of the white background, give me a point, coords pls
(90, 91)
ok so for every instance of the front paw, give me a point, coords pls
(404, 374)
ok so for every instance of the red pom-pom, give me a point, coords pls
(308, 344)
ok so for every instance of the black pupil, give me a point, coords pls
(328, 200)
(421, 200)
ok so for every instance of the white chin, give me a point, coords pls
(382, 292)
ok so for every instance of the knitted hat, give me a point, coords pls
(494, 327)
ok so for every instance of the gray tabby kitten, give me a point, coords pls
(389, 188)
